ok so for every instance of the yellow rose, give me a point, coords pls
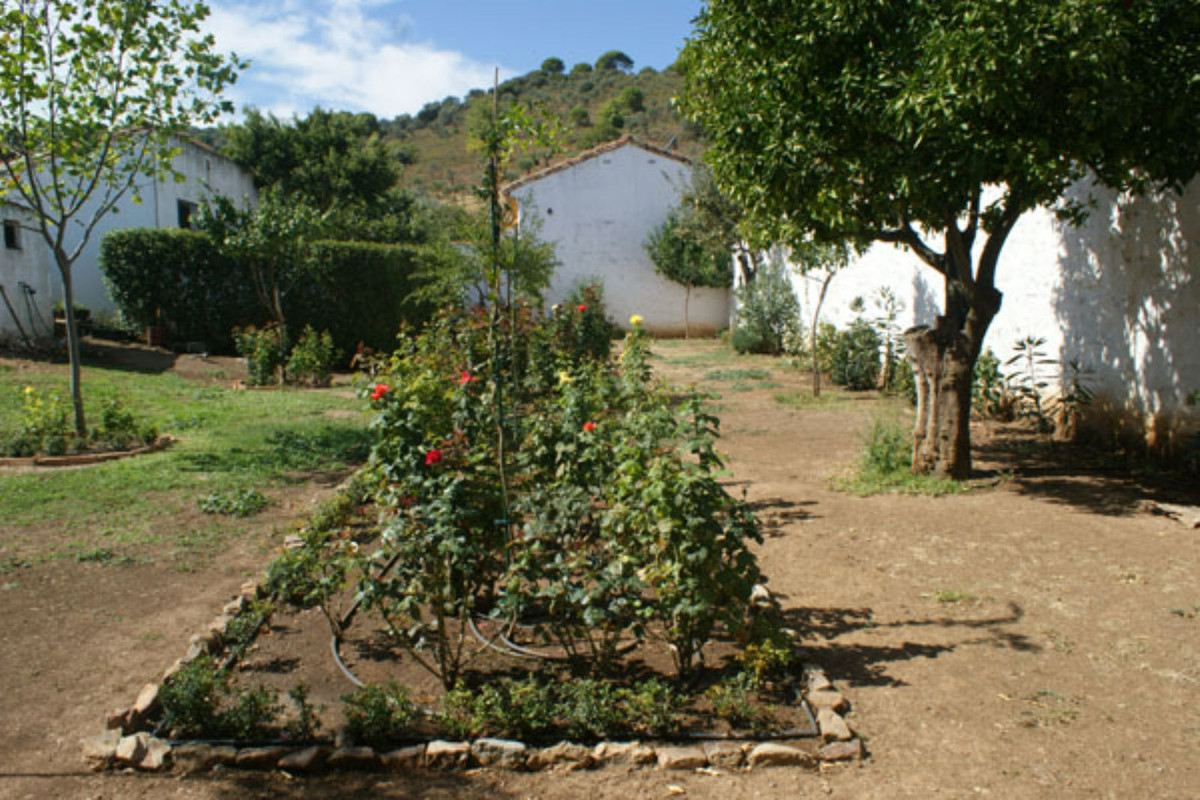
(636, 320)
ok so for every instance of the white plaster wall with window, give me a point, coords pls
(27, 300)
(165, 203)
(598, 209)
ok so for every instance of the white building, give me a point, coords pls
(26, 288)
(598, 210)
(165, 204)
(1120, 295)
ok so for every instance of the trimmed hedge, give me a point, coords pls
(358, 291)
(197, 293)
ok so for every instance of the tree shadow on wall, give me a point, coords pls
(1129, 295)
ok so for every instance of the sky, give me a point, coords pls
(391, 57)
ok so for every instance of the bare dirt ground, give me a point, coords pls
(1039, 637)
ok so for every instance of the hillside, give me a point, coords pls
(594, 105)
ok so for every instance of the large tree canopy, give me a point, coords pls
(328, 157)
(934, 124)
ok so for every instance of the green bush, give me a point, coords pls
(359, 292)
(311, 360)
(200, 701)
(376, 715)
(179, 279)
(856, 357)
(263, 349)
(768, 313)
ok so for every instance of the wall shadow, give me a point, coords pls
(1129, 295)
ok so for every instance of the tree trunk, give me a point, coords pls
(812, 336)
(943, 359)
(687, 325)
(72, 347)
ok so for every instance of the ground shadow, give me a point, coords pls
(126, 357)
(775, 513)
(867, 664)
(233, 785)
(1079, 476)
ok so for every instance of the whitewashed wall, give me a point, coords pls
(1120, 294)
(205, 173)
(26, 265)
(598, 213)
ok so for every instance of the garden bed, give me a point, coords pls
(85, 458)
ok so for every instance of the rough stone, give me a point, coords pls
(760, 596)
(617, 753)
(249, 590)
(817, 681)
(98, 751)
(306, 760)
(724, 754)
(145, 704)
(216, 628)
(293, 542)
(201, 758)
(574, 755)
(833, 726)
(157, 753)
(116, 720)
(259, 757)
(170, 671)
(234, 607)
(770, 754)
(841, 751)
(827, 699)
(131, 749)
(447, 755)
(643, 754)
(503, 753)
(681, 758)
(405, 759)
(353, 758)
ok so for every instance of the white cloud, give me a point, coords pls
(341, 54)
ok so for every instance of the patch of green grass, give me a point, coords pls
(886, 466)
(103, 555)
(953, 597)
(804, 400)
(744, 374)
(228, 441)
(240, 503)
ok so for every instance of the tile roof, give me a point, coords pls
(599, 150)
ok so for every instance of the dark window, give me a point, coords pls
(12, 235)
(187, 211)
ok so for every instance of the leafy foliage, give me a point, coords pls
(855, 362)
(871, 122)
(376, 715)
(768, 313)
(200, 701)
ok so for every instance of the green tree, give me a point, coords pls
(553, 66)
(329, 157)
(614, 60)
(680, 255)
(91, 95)
(934, 125)
(270, 240)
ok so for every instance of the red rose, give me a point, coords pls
(380, 390)
(588, 427)
(582, 307)
(464, 378)
(433, 457)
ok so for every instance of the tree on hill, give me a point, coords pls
(582, 68)
(553, 66)
(614, 60)
(91, 96)
(681, 253)
(936, 124)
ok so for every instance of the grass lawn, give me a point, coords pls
(228, 441)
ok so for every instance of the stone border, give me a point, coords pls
(126, 742)
(83, 459)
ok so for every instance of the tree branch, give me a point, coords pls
(907, 236)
